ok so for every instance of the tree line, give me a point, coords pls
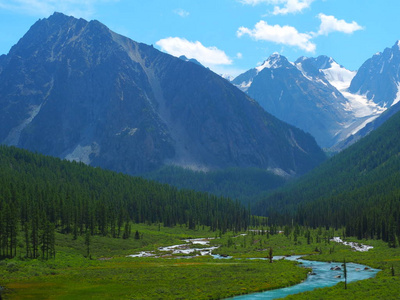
(40, 195)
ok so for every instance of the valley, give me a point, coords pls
(111, 272)
(133, 171)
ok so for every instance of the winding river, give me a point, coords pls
(322, 273)
(324, 277)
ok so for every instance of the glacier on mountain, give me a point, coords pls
(353, 109)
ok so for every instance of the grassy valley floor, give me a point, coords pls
(112, 275)
(315, 245)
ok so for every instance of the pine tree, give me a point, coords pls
(127, 230)
(270, 254)
(137, 235)
(87, 244)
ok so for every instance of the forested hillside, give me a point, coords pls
(244, 184)
(40, 195)
(358, 188)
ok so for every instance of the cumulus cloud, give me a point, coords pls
(181, 12)
(331, 24)
(208, 56)
(292, 6)
(239, 55)
(282, 7)
(77, 8)
(286, 35)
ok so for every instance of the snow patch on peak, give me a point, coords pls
(338, 76)
(273, 62)
(358, 104)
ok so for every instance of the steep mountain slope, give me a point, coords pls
(362, 110)
(378, 82)
(290, 94)
(369, 127)
(379, 77)
(76, 90)
(312, 94)
(359, 188)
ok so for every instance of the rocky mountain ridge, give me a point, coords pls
(76, 90)
(313, 94)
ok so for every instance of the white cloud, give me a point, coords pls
(331, 24)
(282, 7)
(77, 8)
(292, 6)
(208, 56)
(239, 55)
(181, 12)
(286, 35)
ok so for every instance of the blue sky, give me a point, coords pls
(229, 36)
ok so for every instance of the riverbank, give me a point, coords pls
(322, 275)
(112, 275)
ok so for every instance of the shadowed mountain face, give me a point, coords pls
(299, 94)
(379, 77)
(76, 90)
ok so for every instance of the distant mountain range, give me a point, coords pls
(76, 90)
(323, 98)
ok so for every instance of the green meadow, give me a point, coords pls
(109, 274)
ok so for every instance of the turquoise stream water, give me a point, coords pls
(323, 277)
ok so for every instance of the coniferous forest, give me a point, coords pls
(244, 184)
(358, 189)
(40, 195)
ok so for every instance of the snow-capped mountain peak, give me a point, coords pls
(275, 61)
(327, 69)
(379, 77)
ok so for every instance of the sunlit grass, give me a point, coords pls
(112, 275)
